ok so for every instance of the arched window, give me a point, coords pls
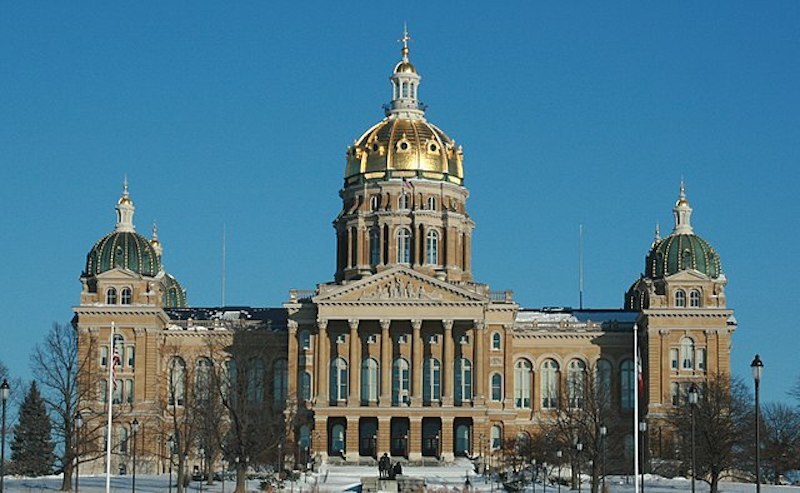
(125, 296)
(497, 437)
(496, 341)
(123, 439)
(280, 382)
(680, 298)
(369, 380)
(463, 380)
(403, 201)
(337, 439)
(203, 379)
(687, 353)
(374, 246)
(627, 384)
(111, 296)
(374, 202)
(549, 384)
(431, 203)
(432, 248)
(400, 382)
(497, 387)
(255, 381)
(338, 384)
(522, 383)
(305, 340)
(576, 383)
(305, 386)
(694, 298)
(603, 378)
(403, 246)
(431, 380)
(177, 382)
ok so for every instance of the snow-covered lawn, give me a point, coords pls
(343, 478)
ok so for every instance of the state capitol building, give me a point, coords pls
(403, 352)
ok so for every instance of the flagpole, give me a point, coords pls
(636, 408)
(111, 361)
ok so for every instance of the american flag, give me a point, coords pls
(115, 362)
(407, 185)
(639, 373)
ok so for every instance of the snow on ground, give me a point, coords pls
(343, 478)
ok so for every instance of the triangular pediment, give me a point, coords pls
(400, 284)
(119, 273)
(690, 275)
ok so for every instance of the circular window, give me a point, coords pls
(433, 147)
(404, 146)
(375, 147)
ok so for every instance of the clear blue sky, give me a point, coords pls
(239, 114)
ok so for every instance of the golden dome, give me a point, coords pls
(405, 67)
(404, 148)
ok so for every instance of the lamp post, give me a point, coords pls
(603, 433)
(757, 367)
(692, 405)
(559, 454)
(134, 429)
(78, 423)
(579, 449)
(642, 432)
(170, 442)
(202, 452)
(4, 389)
(224, 472)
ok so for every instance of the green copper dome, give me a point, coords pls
(174, 294)
(678, 252)
(682, 250)
(125, 249)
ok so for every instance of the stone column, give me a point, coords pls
(354, 366)
(291, 367)
(416, 365)
(446, 435)
(351, 439)
(386, 364)
(323, 351)
(448, 361)
(479, 360)
(467, 253)
(508, 361)
(414, 439)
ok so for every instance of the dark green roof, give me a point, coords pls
(124, 249)
(679, 252)
(174, 294)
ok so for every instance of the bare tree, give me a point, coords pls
(781, 438)
(721, 422)
(57, 366)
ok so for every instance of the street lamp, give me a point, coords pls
(642, 432)
(4, 388)
(603, 433)
(170, 444)
(559, 454)
(78, 423)
(692, 404)
(757, 367)
(134, 429)
(579, 448)
(224, 472)
(202, 452)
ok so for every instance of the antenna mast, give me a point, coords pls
(580, 266)
(223, 263)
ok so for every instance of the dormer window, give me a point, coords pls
(680, 298)
(694, 298)
(431, 203)
(374, 202)
(125, 296)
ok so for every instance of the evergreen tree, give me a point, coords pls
(32, 445)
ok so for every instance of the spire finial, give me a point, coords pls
(154, 241)
(125, 186)
(682, 212)
(125, 209)
(405, 39)
(658, 232)
(683, 189)
(155, 231)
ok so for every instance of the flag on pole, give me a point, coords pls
(639, 372)
(115, 362)
(407, 186)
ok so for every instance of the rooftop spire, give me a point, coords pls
(125, 210)
(154, 240)
(683, 213)
(657, 235)
(405, 84)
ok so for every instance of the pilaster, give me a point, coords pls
(448, 362)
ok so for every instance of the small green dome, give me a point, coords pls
(679, 252)
(174, 294)
(125, 249)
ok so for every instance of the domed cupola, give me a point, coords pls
(123, 247)
(682, 250)
(404, 144)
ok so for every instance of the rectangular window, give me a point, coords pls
(402, 339)
(701, 359)
(129, 391)
(131, 356)
(673, 359)
(340, 339)
(103, 355)
(434, 339)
